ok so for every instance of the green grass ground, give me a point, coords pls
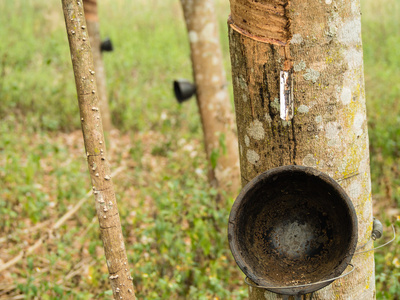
(176, 234)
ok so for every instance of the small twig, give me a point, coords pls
(21, 255)
(25, 231)
(43, 239)
(4, 289)
(7, 288)
(89, 227)
(77, 269)
(17, 297)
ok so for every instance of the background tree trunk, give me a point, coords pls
(93, 27)
(212, 94)
(103, 188)
(320, 44)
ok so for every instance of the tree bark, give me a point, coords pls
(103, 189)
(212, 94)
(93, 27)
(319, 44)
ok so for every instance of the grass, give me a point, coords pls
(382, 64)
(175, 232)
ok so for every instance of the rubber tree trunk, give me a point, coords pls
(212, 94)
(103, 188)
(92, 22)
(319, 44)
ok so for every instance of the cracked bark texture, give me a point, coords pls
(320, 43)
(99, 169)
(212, 94)
(93, 27)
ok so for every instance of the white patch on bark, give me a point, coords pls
(333, 23)
(221, 95)
(296, 39)
(214, 79)
(242, 83)
(318, 119)
(309, 161)
(223, 174)
(332, 133)
(328, 1)
(276, 105)
(268, 118)
(354, 58)
(256, 130)
(252, 157)
(345, 96)
(354, 7)
(358, 123)
(342, 166)
(367, 189)
(209, 6)
(244, 97)
(332, 30)
(364, 164)
(247, 140)
(215, 60)
(355, 189)
(303, 109)
(299, 66)
(350, 32)
(193, 37)
(207, 33)
(312, 75)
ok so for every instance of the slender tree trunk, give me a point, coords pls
(103, 189)
(92, 23)
(212, 94)
(319, 44)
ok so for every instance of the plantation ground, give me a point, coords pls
(175, 230)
